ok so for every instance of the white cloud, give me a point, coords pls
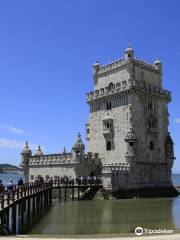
(15, 130)
(13, 144)
(177, 120)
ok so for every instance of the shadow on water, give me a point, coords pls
(108, 216)
(29, 225)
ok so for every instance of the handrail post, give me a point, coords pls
(2, 203)
(8, 198)
(13, 195)
(18, 193)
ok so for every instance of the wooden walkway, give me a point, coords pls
(20, 207)
(10, 197)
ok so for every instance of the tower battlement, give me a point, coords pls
(121, 62)
(120, 88)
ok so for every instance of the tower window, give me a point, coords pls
(131, 144)
(150, 106)
(151, 145)
(108, 106)
(108, 146)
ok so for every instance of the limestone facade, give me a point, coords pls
(128, 123)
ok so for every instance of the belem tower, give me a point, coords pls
(129, 144)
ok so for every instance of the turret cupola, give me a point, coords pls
(26, 149)
(25, 156)
(130, 136)
(158, 65)
(78, 148)
(79, 144)
(39, 151)
(129, 53)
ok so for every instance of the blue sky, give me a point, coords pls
(47, 49)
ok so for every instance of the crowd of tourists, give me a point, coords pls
(83, 180)
(11, 186)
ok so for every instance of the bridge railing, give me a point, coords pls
(11, 194)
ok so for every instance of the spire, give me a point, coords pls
(64, 150)
(39, 151)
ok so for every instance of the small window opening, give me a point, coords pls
(151, 146)
(108, 145)
(129, 55)
(131, 144)
(108, 106)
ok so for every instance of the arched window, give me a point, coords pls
(108, 145)
(151, 145)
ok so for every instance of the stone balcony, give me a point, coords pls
(108, 133)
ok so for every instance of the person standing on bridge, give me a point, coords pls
(20, 182)
(1, 187)
(11, 185)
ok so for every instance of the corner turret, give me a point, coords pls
(96, 68)
(158, 65)
(25, 155)
(129, 53)
(78, 149)
(39, 152)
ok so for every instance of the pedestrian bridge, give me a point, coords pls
(21, 206)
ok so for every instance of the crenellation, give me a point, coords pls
(118, 87)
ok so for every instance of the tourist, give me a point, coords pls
(20, 182)
(11, 185)
(1, 187)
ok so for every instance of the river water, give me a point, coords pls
(109, 216)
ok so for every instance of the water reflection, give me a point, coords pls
(106, 216)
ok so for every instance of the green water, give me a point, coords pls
(109, 216)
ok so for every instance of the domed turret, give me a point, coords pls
(26, 149)
(158, 64)
(131, 140)
(78, 149)
(130, 136)
(39, 151)
(25, 156)
(129, 53)
(79, 144)
(96, 67)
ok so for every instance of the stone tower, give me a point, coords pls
(128, 123)
(25, 156)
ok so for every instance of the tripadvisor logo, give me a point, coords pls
(140, 231)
